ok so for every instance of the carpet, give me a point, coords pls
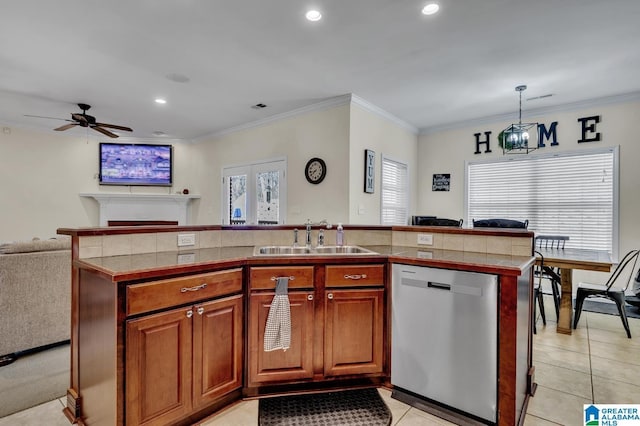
(609, 308)
(357, 407)
(34, 379)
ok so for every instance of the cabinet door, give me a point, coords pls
(353, 332)
(158, 368)
(296, 362)
(217, 349)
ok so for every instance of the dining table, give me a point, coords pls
(568, 259)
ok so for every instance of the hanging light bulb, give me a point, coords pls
(515, 138)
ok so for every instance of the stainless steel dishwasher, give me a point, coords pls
(444, 338)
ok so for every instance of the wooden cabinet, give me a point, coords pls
(180, 360)
(337, 321)
(353, 332)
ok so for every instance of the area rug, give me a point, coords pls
(357, 407)
(609, 308)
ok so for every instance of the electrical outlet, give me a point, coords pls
(186, 258)
(186, 240)
(425, 239)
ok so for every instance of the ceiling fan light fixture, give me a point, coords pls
(430, 9)
(313, 15)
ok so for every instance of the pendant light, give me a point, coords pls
(520, 138)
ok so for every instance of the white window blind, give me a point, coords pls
(394, 193)
(573, 194)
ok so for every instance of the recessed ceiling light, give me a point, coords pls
(161, 101)
(259, 106)
(159, 133)
(178, 78)
(430, 9)
(313, 15)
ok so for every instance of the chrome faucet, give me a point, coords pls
(295, 237)
(320, 238)
(308, 237)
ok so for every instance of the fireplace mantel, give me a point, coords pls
(140, 207)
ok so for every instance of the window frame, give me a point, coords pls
(574, 153)
(407, 193)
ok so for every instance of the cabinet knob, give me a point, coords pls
(200, 310)
(330, 296)
(310, 297)
(189, 313)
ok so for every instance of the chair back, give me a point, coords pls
(551, 241)
(625, 268)
(500, 223)
(439, 221)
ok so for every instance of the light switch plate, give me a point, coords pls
(425, 239)
(186, 240)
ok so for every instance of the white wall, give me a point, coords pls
(371, 131)
(446, 152)
(323, 134)
(42, 173)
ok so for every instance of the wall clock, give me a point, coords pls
(315, 170)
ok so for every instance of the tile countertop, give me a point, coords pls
(149, 265)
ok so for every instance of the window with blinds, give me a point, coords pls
(394, 193)
(573, 194)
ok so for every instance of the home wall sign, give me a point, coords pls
(441, 182)
(369, 170)
(588, 133)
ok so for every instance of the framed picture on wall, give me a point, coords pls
(441, 182)
(369, 170)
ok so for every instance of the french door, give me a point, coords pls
(255, 193)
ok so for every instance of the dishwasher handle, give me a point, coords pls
(439, 286)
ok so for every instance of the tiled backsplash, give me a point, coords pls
(115, 245)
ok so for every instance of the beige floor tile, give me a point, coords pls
(564, 380)
(616, 352)
(562, 358)
(607, 391)
(610, 322)
(397, 408)
(548, 336)
(615, 370)
(616, 337)
(415, 417)
(49, 413)
(558, 407)
(243, 413)
(530, 420)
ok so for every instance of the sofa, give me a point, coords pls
(35, 295)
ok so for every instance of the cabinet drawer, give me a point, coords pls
(177, 291)
(263, 278)
(354, 275)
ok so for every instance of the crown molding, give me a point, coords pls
(573, 106)
(318, 106)
(355, 99)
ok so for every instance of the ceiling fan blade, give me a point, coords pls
(65, 127)
(104, 131)
(113, 126)
(52, 118)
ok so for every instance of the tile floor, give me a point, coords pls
(596, 364)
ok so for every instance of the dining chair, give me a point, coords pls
(552, 275)
(500, 223)
(439, 221)
(614, 289)
(537, 297)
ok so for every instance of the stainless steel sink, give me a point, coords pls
(280, 250)
(342, 250)
(302, 251)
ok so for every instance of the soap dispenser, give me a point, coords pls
(339, 235)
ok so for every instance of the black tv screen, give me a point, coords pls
(136, 164)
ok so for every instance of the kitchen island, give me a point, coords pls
(152, 344)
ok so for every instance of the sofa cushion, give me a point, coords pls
(59, 243)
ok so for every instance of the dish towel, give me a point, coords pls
(277, 333)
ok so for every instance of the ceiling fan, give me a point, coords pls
(85, 120)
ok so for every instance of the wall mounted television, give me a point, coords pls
(136, 164)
